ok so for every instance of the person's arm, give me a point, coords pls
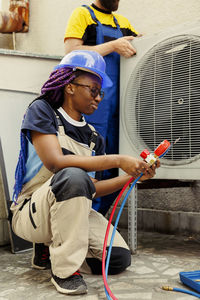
(122, 46)
(109, 186)
(77, 25)
(106, 187)
(50, 153)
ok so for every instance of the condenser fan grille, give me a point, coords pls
(162, 99)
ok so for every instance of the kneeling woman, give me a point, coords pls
(59, 171)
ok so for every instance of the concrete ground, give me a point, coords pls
(158, 261)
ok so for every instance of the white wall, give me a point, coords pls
(4, 4)
(151, 16)
(48, 19)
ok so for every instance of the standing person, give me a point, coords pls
(97, 28)
(59, 170)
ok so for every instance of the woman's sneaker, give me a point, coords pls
(73, 285)
(41, 258)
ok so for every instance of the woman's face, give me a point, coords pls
(83, 94)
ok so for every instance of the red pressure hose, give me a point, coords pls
(106, 239)
(160, 151)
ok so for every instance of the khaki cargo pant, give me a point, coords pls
(59, 214)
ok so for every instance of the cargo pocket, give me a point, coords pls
(33, 214)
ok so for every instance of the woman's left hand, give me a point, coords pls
(150, 173)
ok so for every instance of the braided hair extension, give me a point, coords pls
(21, 166)
(52, 92)
(53, 89)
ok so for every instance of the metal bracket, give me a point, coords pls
(132, 220)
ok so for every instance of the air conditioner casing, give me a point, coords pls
(183, 105)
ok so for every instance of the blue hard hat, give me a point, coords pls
(89, 61)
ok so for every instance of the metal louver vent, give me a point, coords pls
(162, 99)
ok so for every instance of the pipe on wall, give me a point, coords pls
(16, 19)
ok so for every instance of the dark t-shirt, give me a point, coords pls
(40, 117)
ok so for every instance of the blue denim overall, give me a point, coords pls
(106, 118)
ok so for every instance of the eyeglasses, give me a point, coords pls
(94, 91)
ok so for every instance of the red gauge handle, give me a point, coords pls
(144, 153)
(162, 148)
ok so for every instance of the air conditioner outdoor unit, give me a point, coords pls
(160, 99)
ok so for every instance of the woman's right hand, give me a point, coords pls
(132, 166)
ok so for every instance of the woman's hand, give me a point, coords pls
(132, 166)
(135, 167)
(151, 171)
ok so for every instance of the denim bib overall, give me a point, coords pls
(106, 118)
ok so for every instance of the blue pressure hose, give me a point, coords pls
(117, 221)
(115, 228)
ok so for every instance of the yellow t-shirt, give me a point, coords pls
(82, 26)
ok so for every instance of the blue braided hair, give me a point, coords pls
(52, 92)
(20, 170)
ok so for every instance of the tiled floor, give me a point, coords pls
(158, 261)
